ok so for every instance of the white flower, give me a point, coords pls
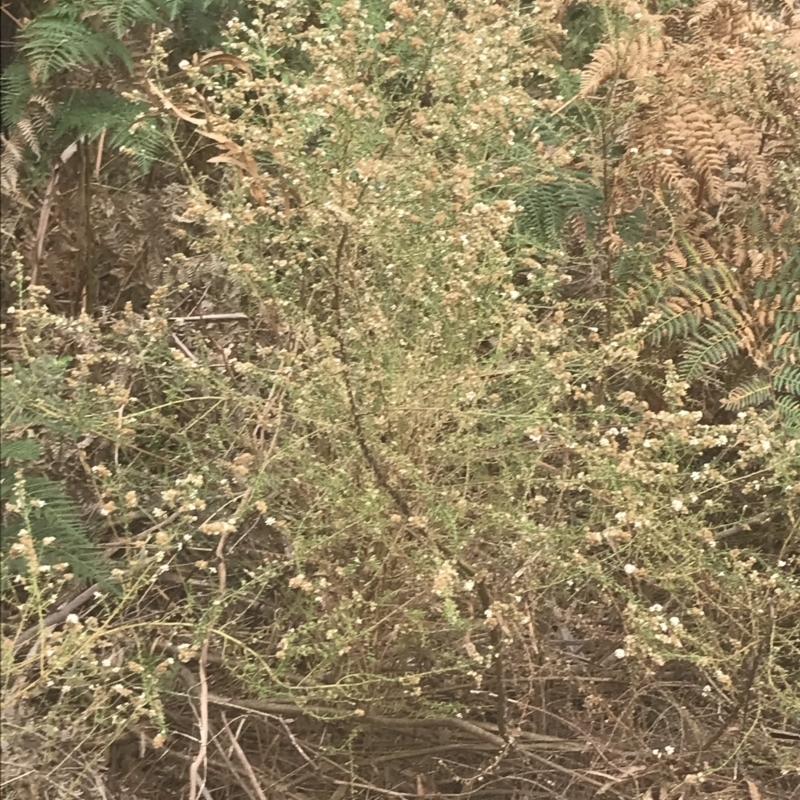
(619, 653)
(677, 504)
(629, 569)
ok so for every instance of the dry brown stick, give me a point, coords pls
(743, 527)
(231, 317)
(98, 162)
(183, 348)
(202, 751)
(482, 732)
(248, 768)
(44, 219)
(232, 769)
(373, 788)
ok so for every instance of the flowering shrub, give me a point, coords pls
(391, 473)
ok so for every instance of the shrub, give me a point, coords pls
(394, 468)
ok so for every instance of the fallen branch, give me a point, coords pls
(744, 527)
(231, 317)
(485, 731)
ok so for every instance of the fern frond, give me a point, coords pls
(709, 350)
(20, 449)
(786, 342)
(677, 321)
(122, 15)
(548, 205)
(789, 411)
(53, 515)
(50, 511)
(604, 64)
(10, 161)
(88, 113)
(145, 143)
(753, 393)
(788, 380)
(58, 39)
(15, 92)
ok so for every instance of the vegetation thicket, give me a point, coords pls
(401, 399)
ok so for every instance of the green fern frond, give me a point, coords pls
(20, 450)
(49, 510)
(88, 113)
(709, 350)
(146, 144)
(15, 92)
(787, 379)
(53, 514)
(672, 325)
(789, 411)
(547, 205)
(707, 283)
(59, 39)
(173, 7)
(753, 393)
(539, 217)
(122, 15)
(786, 338)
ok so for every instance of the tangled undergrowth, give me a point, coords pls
(436, 430)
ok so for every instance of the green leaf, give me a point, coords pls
(15, 92)
(58, 39)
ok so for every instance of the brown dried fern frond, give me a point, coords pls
(632, 57)
(11, 156)
(33, 121)
(721, 20)
(26, 132)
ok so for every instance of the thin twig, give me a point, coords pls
(231, 768)
(44, 220)
(248, 768)
(183, 348)
(202, 753)
(200, 758)
(98, 162)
